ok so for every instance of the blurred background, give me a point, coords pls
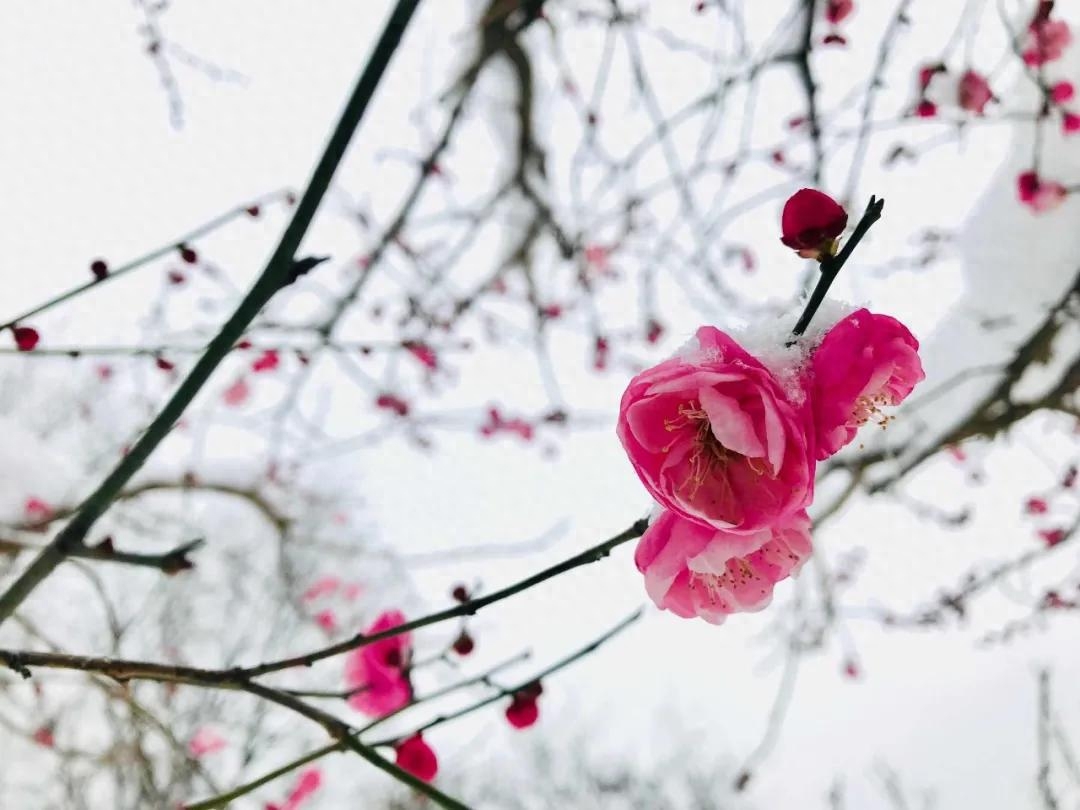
(544, 198)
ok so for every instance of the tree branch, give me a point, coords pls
(276, 273)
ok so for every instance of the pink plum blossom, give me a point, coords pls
(306, 786)
(1047, 41)
(237, 393)
(974, 92)
(714, 438)
(865, 362)
(323, 586)
(1038, 194)
(695, 570)
(205, 741)
(378, 670)
(326, 620)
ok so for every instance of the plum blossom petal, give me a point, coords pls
(693, 570)
(865, 362)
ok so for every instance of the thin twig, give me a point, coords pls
(469, 608)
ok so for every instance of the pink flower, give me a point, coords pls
(1039, 195)
(926, 109)
(417, 757)
(37, 510)
(865, 362)
(378, 670)
(1062, 92)
(1070, 123)
(1053, 537)
(44, 737)
(309, 782)
(1036, 506)
(237, 393)
(811, 222)
(205, 741)
(694, 570)
(712, 436)
(324, 586)
(267, 361)
(352, 591)
(836, 11)
(326, 620)
(598, 258)
(423, 353)
(974, 92)
(1047, 41)
(392, 402)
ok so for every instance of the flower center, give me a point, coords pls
(869, 409)
(708, 454)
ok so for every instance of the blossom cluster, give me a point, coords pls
(727, 442)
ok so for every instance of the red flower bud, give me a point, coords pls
(522, 712)
(26, 338)
(417, 757)
(811, 222)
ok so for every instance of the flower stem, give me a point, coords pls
(830, 268)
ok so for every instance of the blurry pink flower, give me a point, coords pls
(1047, 41)
(694, 570)
(267, 361)
(44, 737)
(37, 510)
(423, 353)
(1052, 537)
(309, 782)
(713, 437)
(1062, 92)
(836, 11)
(326, 620)
(1036, 506)
(926, 109)
(392, 402)
(865, 362)
(601, 350)
(323, 586)
(1039, 195)
(237, 393)
(598, 258)
(352, 591)
(205, 741)
(974, 92)
(1070, 123)
(379, 669)
(417, 757)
